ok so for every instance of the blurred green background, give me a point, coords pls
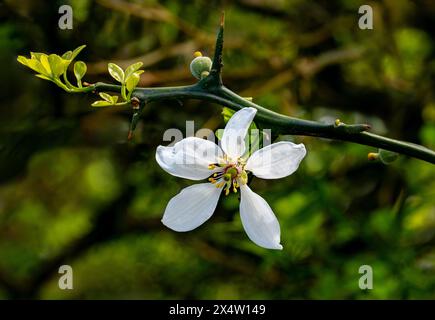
(74, 191)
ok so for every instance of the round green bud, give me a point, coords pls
(200, 67)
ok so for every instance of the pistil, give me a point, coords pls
(228, 176)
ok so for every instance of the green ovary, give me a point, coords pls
(230, 177)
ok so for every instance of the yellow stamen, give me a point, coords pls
(197, 54)
(220, 185)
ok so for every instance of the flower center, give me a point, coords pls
(230, 174)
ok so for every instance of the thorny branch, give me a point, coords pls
(212, 89)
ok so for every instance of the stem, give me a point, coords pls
(280, 123)
(212, 89)
(65, 78)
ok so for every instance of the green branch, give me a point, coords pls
(210, 88)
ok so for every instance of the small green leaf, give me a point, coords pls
(36, 66)
(57, 64)
(106, 96)
(43, 77)
(23, 60)
(80, 69)
(37, 55)
(67, 55)
(46, 65)
(116, 72)
(114, 99)
(227, 113)
(75, 53)
(102, 104)
(132, 81)
(219, 133)
(132, 69)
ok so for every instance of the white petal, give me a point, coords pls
(277, 160)
(189, 158)
(259, 220)
(233, 138)
(192, 207)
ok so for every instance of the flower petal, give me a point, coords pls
(189, 158)
(233, 138)
(259, 220)
(277, 160)
(192, 207)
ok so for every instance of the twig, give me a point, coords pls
(211, 89)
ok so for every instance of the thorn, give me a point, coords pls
(87, 84)
(367, 126)
(180, 103)
(135, 102)
(130, 135)
(223, 18)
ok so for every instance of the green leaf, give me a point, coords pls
(80, 69)
(102, 104)
(46, 65)
(67, 55)
(33, 64)
(106, 96)
(57, 65)
(132, 81)
(114, 99)
(37, 55)
(76, 52)
(36, 66)
(43, 77)
(219, 133)
(227, 113)
(132, 69)
(116, 72)
(23, 60)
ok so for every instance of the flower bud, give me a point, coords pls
(372, 156)
(200, 66)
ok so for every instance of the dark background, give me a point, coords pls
(74, 191)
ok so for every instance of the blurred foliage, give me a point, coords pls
(74, 191)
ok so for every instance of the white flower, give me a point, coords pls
(196, 159)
